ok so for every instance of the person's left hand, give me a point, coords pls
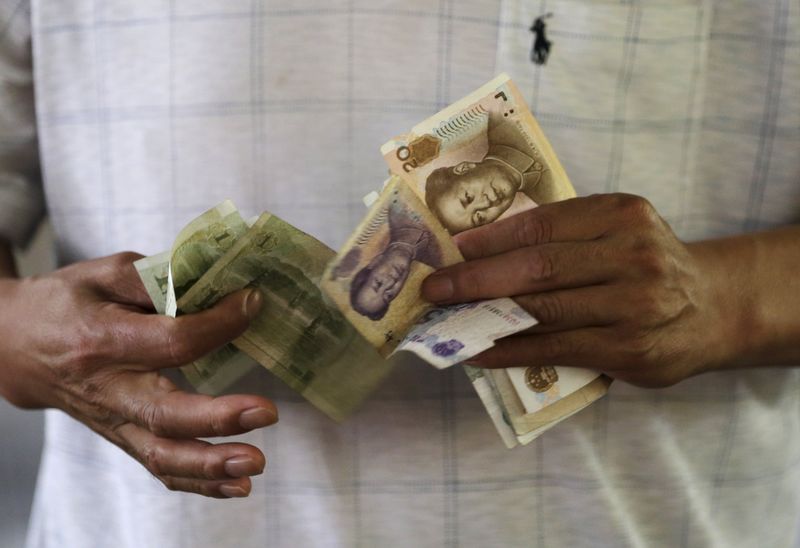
(611, 285)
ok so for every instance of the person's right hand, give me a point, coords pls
(84, 340)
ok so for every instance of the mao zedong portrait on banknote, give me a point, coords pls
(471, 194)
(479, 159)
(377, 284)
(376, 278)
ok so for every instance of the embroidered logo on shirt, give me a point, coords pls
(541, 45)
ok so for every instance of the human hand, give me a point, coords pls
(84, 340)
(611, 285)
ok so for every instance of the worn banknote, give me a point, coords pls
(514, 425)
(198, 246)
(541, 386)
(481, 159)
(299, 336)
(376, 281)
(448, 335)
(528, 425)
(213, 373)
(491, 400)
(154, 272)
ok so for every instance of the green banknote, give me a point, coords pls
(198, 246)
(213, 373)
(299, 336)
(154, 272)
(486, 145)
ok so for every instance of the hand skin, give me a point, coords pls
(615, 290)
(85, 340)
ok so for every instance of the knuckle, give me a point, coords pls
(211, 470)
(639, 348)
(627, 329)
(534, 228)
(179, 345)
(547, 308)
(89, 345)
(115, 269)
(106, 272)
(127, 257)
(120, 262)
(83, 350)
(219, 420)
(157, 427)
(474, 281)
(649, 259)
(553, 347)
(151, 417)
(153, 459)
(651, 307)
(477, 243)
(208, 490)
(636, 208)
(539, 265)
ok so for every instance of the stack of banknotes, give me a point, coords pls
(332, 322)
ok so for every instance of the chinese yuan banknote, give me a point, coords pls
(376, 281)
(481, 159)
(298, 336)
(330, 320)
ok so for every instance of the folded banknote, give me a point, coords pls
(330, 319)
(298, 336)
(376, 281)
(482, 159)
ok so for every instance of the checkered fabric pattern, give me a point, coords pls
(151, 111)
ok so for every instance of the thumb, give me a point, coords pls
(173, 342)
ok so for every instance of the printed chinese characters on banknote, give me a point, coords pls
(376, 279)
(481, 159)
(298, 336)
(330, 320)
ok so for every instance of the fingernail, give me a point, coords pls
(258, 417)
(239, 467)
(438, 288)
(252, 303)
(232, 491)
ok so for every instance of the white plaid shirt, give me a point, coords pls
(151, 111)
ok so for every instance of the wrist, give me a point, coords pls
(11, 382)
(738, 325)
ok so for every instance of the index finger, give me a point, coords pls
(155, 403)
(570, 220)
